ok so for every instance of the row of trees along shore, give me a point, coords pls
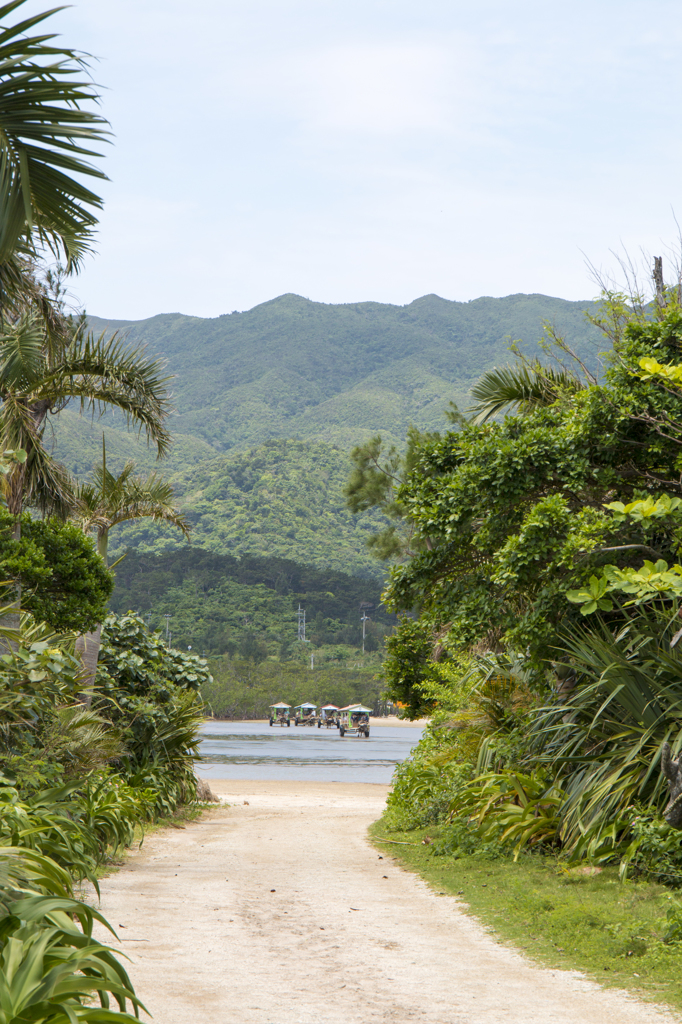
(99, 719)
(536, 548)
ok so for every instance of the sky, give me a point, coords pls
(353, 150)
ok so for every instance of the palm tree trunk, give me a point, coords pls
(88, 644)
(12, 617)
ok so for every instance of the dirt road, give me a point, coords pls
(344, 938)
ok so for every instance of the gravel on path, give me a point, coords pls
(276, 910)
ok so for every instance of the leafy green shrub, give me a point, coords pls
(654, 850)
(427, 783)
(151, 694)
(463, 839)
(64, 581)
(514, 808)
(49, 825)
(673, 932)
(111, 808)
(51, 966)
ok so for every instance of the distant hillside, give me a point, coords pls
(283, 498)
(248, 607)
(292, 368)
(269, 403)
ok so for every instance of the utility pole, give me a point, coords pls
(301, 625)
(312, 660)
(167, 618)
(364, 619)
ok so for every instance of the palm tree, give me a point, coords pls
(108, 501)
(41, 372)
(47, 130)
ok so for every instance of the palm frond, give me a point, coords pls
(40, 480)
(524, 387)
(48, 129)
(103, 372)
(605, 740)
(22, 352)
(109, 500)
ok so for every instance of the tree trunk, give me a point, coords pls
(672, 769)
(12, 617)
(87, 646)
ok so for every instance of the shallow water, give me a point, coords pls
(254, 750)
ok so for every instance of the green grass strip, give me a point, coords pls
(611, 931)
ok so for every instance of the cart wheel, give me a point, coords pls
(271, 723)
(341, 730)
(367, 733)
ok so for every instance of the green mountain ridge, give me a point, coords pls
(300, 369)
(269, 402)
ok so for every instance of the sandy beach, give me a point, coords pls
(274, 909)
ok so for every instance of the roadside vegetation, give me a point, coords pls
(80, 776)
(537, 582)
(98, 718)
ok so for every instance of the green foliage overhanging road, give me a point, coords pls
(538, 559)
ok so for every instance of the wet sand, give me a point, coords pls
(276, 910)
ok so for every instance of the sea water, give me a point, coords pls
(255, 750)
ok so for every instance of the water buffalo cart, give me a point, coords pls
(354, 721)
(305, 714)
(280, 714)
(329, 717)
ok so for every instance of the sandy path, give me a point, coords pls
(211, 944)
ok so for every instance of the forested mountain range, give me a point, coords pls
(282, 498)
(293, 368)
(270, 401)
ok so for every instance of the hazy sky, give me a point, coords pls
(376, 149)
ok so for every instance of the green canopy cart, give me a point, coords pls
(280, 714)
(354, 720)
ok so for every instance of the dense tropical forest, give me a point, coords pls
(537, 556)
(219, 604)
(283, 499)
